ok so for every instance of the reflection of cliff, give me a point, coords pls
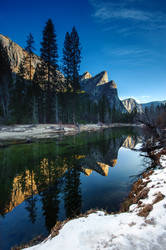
(30, 183)
(131, 142)
(104, 168)
(101, 157)
(23, 187)
(87, 171)
(98, 157)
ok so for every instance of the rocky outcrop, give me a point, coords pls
(130, 104)
(16, 54)
(85, 76)
(99, 86)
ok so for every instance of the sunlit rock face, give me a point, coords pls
(130, 104)
(85, 76)
(19, 194)
(103, 78)
(99, 86)
(16, 54)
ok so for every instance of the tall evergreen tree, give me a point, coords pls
(71, 60)
(20, 97)
(29, 48)
(32, 87)
(5, 81)
(75, 58)
(67, 61)
(49, 55)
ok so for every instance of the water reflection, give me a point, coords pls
(55, 171)
(51, 172)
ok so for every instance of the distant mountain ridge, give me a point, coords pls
(154, 103)
(130, 104)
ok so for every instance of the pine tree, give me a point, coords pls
(32, 88)
(49, 55)
(71, 60)
(75, 59)
(29, 48)
(39, 112)
(18, 97)
(5, 81)
(67, 62)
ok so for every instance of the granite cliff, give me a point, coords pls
(99, 86)
(130, 104)
(16, 54)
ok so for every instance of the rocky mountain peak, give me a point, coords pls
(102, 78)
(112, 84)
(130, 104)
(85, 76)
(98, 86)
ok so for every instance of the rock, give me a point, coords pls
(85, 76)
(99, 86)
(130, 104)
(16, 54)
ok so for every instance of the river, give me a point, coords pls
(51, 180)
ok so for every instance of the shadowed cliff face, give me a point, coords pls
(99, 86)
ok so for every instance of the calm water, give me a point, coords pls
(44, 182)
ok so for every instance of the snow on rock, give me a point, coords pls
(124, 231)
(163, 160)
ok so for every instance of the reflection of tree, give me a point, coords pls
(50, 200)
(31, 208)
(48, 177)
(72, 192)
(30, 202)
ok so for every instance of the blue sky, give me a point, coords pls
(126, 38)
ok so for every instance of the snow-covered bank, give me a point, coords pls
(41, 131)
(142, 227)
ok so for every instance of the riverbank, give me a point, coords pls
(28, 133)
(141, 226)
